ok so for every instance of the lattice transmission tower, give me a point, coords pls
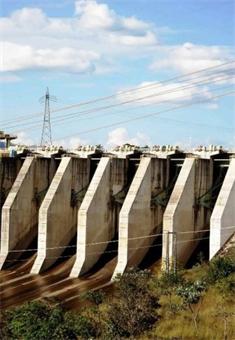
(46, 138)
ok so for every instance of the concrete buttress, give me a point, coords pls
(20, 210)
(184, 220)
(222, 223)
(57, 223)
(97, 214)
(138, 220)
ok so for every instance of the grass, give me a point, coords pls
(216, 316)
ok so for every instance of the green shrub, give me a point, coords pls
(168, 282)
(133, 310)
(95, 297)
(191, 292)
(82, 326)
(41, 321)
(226, 286)
(219, 268)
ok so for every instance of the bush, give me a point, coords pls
(191, 292)
(95, 297)
(133, 311)
(226, 286)
(168, 282)
(219, 268)
(82, 326)
(3, 325)
(37, 320)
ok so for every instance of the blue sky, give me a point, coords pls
(86, 49)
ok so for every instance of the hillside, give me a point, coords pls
(196, 303)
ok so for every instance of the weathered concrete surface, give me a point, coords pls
(57, 216)
(137, 218)
(228, 247)
(222, 223)
(9, 168)
(183, 218)
(20, 210)
(97, 214)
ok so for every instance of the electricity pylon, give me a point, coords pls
(46, 139)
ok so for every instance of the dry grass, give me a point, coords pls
(214, 311)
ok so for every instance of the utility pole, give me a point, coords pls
(174, 240)
(46, 139)
(171, 256)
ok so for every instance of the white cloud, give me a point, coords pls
(19, 57)
(29, 17)
(93, 15)
(120, 136)
(71, 143)
(90, 39)
(23, 138)
(93, 40)
(189, 57)
(132, 40)
(133, 23)
(212, 106)
(148, 93)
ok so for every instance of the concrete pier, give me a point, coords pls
(222, 223)
(58, 212)
(138, 217)
(97, 214)
(88, 201)
(183, 217)
(20, 210)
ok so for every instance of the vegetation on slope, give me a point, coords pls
(192, 304)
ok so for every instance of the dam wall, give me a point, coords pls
(57, 224)
(20, 210)
(140, 220)
(184, 218)
(222, 222)
(97, 214)
(9, 168)
(90, 203)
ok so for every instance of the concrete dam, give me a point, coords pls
(73, 220)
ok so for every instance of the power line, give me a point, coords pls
(130, 101)
(134, 100)
(71, 116)
(30, 116)
(116, 241)
(167, 119)
(116, 250)
(147, 115)
(153, 84)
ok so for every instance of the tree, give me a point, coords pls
(191, 293)
(133, 309)
(167, 285)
